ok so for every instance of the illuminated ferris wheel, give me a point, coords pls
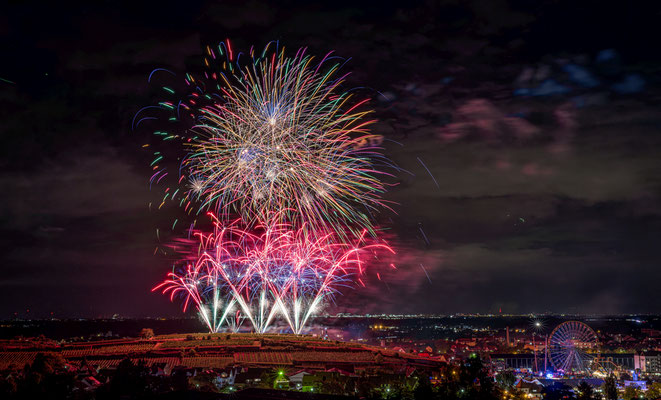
(572, 346)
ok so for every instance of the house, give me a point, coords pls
(296, 379)
(531, 389)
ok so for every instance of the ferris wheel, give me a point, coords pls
(572, 346)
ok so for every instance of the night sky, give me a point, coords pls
(536, 200)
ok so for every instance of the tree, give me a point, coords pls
(47, 363)
(364, 387)
(332, 387)
(146, 333)
(178, 380)
(8, 386)
(631, 393)
(394, 392)
(45, 378)
(609, 388)
(129, 379)
(474, 379)
(653, 391)
(423, 389)
(350, 387)
(585, 391)
(506, 379)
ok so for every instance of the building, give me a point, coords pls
(531, 389)
(648, 362)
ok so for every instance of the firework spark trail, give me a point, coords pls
(429, 172)
(425, 271)
(424, 235)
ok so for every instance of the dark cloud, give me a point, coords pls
(520, 203)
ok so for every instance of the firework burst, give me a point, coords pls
(275, 271)
(271, 132)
